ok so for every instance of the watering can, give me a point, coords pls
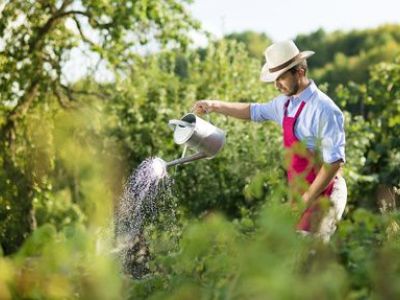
(196, 133)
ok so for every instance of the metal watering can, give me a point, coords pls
(196, 133)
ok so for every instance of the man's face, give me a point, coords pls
(288, 83)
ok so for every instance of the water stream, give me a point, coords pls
(146, 188)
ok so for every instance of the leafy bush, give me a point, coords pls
(226, 232)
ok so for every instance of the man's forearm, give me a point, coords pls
(324, 177)
(234, 109)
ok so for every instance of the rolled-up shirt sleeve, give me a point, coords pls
(332, 136)
(264, 111)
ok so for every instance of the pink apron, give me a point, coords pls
(302, 169)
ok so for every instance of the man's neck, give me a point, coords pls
(304, 83)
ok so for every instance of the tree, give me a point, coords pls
(36, 38)
(342, 57)
(255, 42)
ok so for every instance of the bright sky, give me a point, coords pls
(284, 19)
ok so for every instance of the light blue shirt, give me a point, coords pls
(320, 125)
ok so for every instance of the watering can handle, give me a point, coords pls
(174, 123)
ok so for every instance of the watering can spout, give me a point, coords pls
(185, 160)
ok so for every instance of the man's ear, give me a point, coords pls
(301, 72)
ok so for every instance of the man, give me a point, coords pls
(313, 135)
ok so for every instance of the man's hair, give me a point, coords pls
(302, 65)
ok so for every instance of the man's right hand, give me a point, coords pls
(202, 107)
(232, 109)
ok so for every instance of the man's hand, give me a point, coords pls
(326, 173)
(232, 109)
(306, 197)
(202, 107)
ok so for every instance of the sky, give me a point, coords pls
(284, 19)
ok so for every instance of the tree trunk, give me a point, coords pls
(20, 218)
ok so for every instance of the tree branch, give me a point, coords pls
(73, 12)
(7, 130)
(69, 91)
(25, 102)
(64, 104)
(51, 21)
(83, 36)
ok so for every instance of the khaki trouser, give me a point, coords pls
(335, 212)
(338, 200)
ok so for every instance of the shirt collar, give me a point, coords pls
(306, 94)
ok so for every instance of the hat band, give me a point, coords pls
(284, 65)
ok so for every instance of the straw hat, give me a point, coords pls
(280, 57)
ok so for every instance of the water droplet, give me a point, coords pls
(146, 187)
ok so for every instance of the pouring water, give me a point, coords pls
(149, 183)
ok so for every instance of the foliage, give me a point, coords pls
(151, 97)
(60, 265)
(37, 38)
(256, 43)
(384, 108)
(344, 57)
(378, 160)
(227, 232)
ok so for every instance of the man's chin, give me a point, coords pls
(289, 93)
(286, 92)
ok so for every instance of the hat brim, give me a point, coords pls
(268, 76)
